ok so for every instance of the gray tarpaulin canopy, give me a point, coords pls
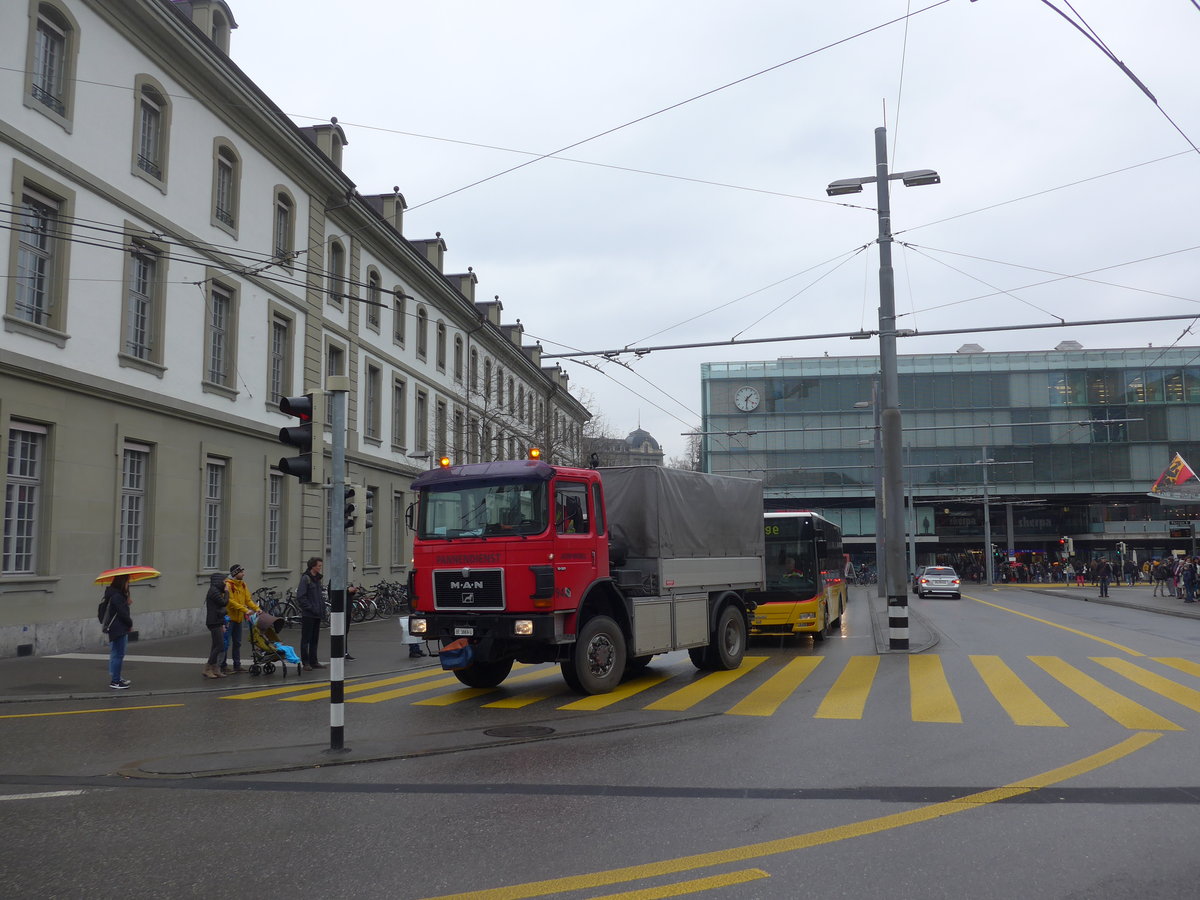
(674, 513)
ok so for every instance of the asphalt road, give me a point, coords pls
(1041, 747)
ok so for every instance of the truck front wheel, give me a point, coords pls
(484, 674)
(597, 660)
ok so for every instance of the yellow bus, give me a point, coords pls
(805, 582)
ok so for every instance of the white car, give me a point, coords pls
(938, 580)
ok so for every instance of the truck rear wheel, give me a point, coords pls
(597, 661)
(484, 674)
(729, 641)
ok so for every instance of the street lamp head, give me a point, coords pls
(918, 177)
(846, 186)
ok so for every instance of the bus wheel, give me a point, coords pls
(822, 631)
(484, 674)
(841, 609)
(597, 661)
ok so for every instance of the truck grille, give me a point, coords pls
(479, 589)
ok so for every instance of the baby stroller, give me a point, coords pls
(265, 649)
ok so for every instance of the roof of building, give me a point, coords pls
(639, 437)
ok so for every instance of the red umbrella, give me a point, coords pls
(135, 573)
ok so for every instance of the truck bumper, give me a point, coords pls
(446, 626)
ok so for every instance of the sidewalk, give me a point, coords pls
(173, 666)
(1140, 596)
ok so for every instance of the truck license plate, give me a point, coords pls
(464, 632)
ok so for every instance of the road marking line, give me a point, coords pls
(187, 660)
(528, 698)
(704, 687)
(768, 697)
(931, 698)
(688, 887)
(405, 691)
(742, 854)
(1116, 706)
(1093, 637)
(1023, 706)
(1184, 696)
(847, 699)
(628, 689)
(1183, 665)
(41, 796)
(85, 712)
(467, 693)
(359, 686)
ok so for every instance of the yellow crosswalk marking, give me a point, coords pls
(1185, 696)
(1023, 706)
(359, 686)
(275, 692)
(406, 691)
(1183, 665)
(705, 686)
(528, 698)
(1117, 707)
(932, 699)
(766, 699)
(848, 697)
(628, 689)
(467, 693)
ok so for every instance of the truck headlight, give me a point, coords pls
(417, 626)
(523, 627)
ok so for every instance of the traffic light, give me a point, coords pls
(368, 507)
(1070, 546)
(1121, 545)
(351, 507)
(307, 437)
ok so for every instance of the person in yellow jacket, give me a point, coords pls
(241, 604)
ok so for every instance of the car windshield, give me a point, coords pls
(484, 510)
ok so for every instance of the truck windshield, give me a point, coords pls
(484, 510)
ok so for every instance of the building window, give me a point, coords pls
(373, 301)
(458, 358)
(372, 414)
(422, 333)
(399, 415)
(441, 347)
(152, 122)
(135, 474)
(399, 312)
(439, 425)
(521, 403)
(226, 186)
(335, 360)
(214, 513)
(487, 381)
(336, 273)
(280, 359)
(473, 440)
(275, 520)
(512, 397)
(50, 69)
(422, 423)
(460, 437)
(399, 557)
(220, 337)
(37, 273)
(140, 310)
(23, 497)
(283, 232)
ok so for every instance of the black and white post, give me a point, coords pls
(339, 388)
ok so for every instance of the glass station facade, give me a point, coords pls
(1062, 443)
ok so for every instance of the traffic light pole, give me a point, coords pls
(339, 388)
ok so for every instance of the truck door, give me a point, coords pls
(575, 541)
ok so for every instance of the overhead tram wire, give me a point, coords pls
(681, 103)
(900, 85)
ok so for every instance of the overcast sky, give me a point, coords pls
(1053, 163)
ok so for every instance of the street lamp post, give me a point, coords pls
(877, 443)
(893, 469)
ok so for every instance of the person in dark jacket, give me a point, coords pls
(120, 623)
(312, 609)
(215, 603)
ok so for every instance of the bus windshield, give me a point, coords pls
(791, 556)
(484, 510)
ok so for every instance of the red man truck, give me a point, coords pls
(595, 569)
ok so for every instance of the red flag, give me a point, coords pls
(1176, 473)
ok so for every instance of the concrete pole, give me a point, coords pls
(339, 387)
(893, 468)
(987, 523)
(880, 564)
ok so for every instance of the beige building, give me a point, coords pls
(180, 255)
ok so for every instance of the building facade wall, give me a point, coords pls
(84, 384)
